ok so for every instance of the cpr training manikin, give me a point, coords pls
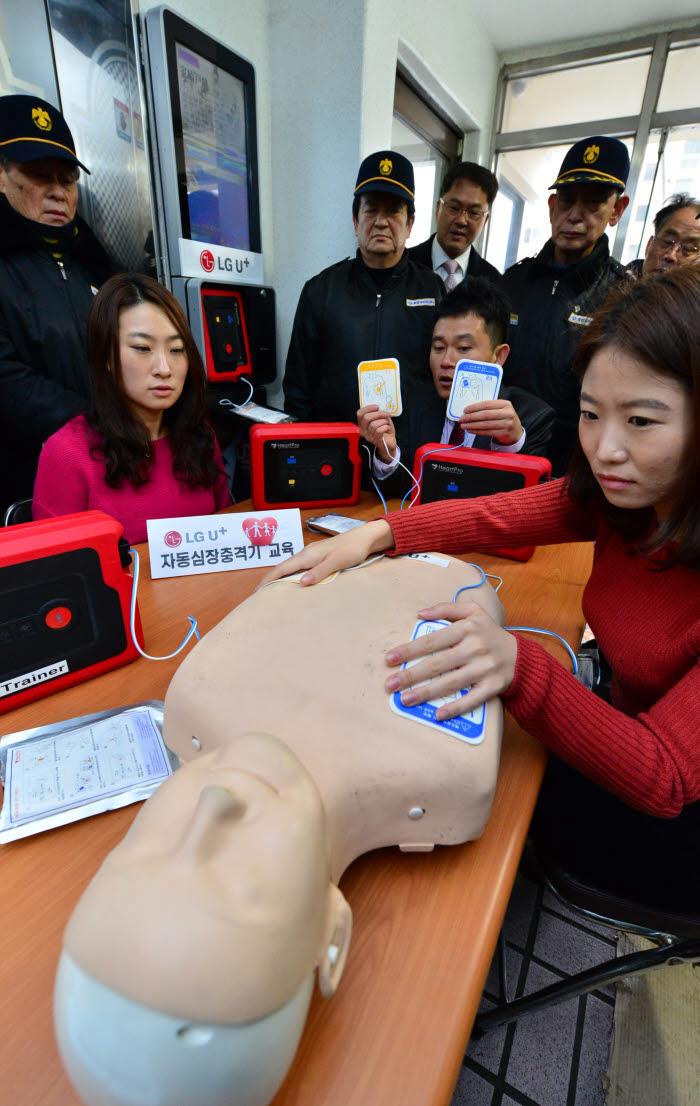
(188, 964)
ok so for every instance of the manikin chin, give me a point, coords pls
(188, 964)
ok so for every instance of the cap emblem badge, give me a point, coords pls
(42, 119)
(591, 154)
(385, 166)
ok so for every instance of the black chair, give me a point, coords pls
(21, 511)
(656, 895)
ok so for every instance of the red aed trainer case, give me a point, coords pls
(305, 464)
(464, 473)
(65, 594)
(226, 346)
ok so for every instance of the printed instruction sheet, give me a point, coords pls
(45, 776)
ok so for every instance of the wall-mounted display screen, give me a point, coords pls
(213, 112)
(204, 135)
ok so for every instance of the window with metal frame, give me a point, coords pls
(432, 145)
(643, 91)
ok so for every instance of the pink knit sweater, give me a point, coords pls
(645, 748)
(69, 479)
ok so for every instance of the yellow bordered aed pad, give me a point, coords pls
(380, 383)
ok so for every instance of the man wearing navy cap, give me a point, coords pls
(378, 304)
(51, 265)
(554, 294)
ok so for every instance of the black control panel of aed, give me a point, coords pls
(307, 470)
(446, 480)
(225, 332)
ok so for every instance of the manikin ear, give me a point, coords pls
(336, 942)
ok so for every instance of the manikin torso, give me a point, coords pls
(311, 661)
(204, 927)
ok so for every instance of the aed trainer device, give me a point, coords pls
(305, 464)
(65, 594)
(467, 473)
(227, 354)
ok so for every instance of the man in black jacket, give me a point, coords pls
(471, 324)
(461, 213)
(51, 265)
(376, 305)
(554, 294)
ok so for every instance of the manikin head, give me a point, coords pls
(190, 957)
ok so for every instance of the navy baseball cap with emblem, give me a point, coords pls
(596, 160)
(386, 171)
(32, 129)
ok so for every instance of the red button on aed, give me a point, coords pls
(58, 617)
(229, 348)
(326, 470)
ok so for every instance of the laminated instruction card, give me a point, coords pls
(70, 770)
(380, 383)
(473, 382)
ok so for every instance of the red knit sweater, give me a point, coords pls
(69, 479)
(646, 747)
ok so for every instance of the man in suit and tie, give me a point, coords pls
(461, 213)
(472, 324)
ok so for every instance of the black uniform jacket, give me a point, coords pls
(551, 306)
(43, 317)
(424, 420)
(344, 317)
(476, 265)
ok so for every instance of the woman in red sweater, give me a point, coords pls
(144, 449)
(633, 489)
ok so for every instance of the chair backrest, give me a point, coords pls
(21, 511)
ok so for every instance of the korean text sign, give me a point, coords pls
(222, 543)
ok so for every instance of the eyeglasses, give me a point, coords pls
(473, 214)
(688, 249)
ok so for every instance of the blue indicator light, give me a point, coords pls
(291, 460)
(452, 488)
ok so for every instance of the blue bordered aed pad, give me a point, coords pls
(469, 727)
(473, 382)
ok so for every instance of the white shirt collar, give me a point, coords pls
(439, 257)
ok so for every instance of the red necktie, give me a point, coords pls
(457, 435)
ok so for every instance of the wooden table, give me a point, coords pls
(425, 926)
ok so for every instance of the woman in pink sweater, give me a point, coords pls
(144, 448)
(633, 489)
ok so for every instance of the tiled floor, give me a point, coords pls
(558, 1056)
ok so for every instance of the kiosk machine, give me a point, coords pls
(201, 99)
